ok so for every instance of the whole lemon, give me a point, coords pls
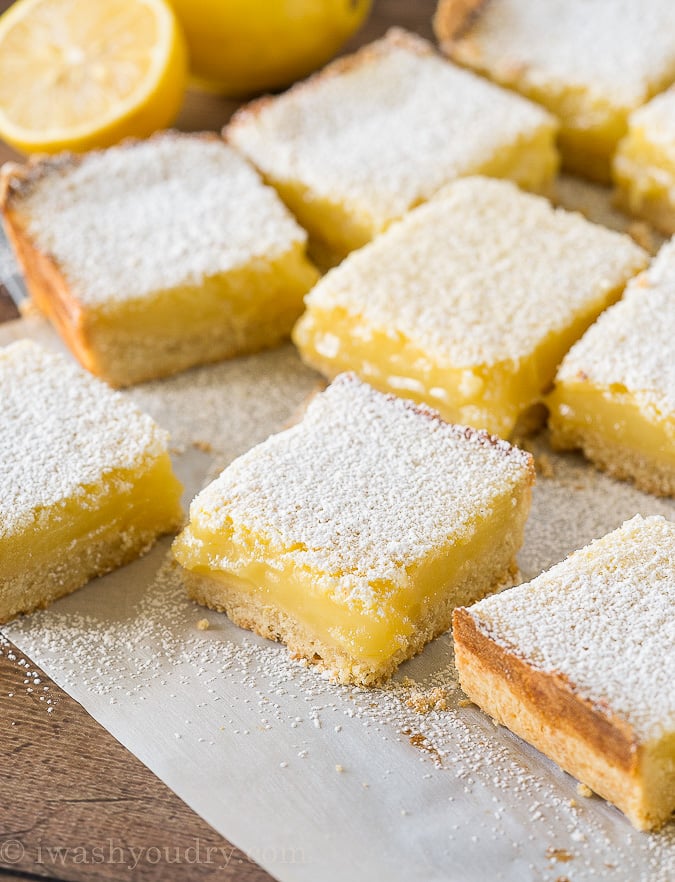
(240, 47)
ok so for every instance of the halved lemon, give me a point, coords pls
(78, 74)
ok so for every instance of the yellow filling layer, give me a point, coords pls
(124, 505)
(645, 176)
(369, 634)
(486, 396)
(336, 228)
(658, 768)
(611, 414)
(239, 311)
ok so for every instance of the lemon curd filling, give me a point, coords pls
(469, 303)
(90, 487)
(234, 313)
(369, 634)
(353, 535)
(70, 542)
(614, 417)
(614, 395)
(488, 396)
(644, 165)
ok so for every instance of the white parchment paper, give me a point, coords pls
(312, 780)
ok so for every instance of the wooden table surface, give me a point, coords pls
(75, 804)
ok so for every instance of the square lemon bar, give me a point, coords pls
(353, 535)
(469, 303)
(614, 396)
(590, 62)
(644, 165)
(378, 132)
(157, 255)
(579, 663)
(86, 483)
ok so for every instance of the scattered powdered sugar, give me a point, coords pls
(62, 431)
(481, 274)
(616, 51)
(630, 347)
(363, 488)
(224, 409)
(604, 619)
(385, 128)
(140, 218)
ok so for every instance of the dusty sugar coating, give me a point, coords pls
(603, 619)
(226, 408)
(631, 344)
(384, 129)
(620, 51)
(61, 431)
(330, 495)
(148, 216)
(481, 273)
(657, 121)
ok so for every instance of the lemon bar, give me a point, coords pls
(156, 255)
(614, 396)
(381, 131)
(352, 536)
(86, 483)
(469, 303)
(579, 663)
(644, 165)
(589, 63)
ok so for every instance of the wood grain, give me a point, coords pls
(75, 804)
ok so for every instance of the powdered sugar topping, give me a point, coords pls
(363, 487)
(631, 344)
(61, 432)
(618, 51)
(386, 130)
(604, 619)
(141, 218)
(481, 274)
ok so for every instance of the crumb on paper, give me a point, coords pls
(584, 790)
(559, 854)
(203, 625)
(424, 701)
(339, 768)
(465, 702)
(204, 446)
